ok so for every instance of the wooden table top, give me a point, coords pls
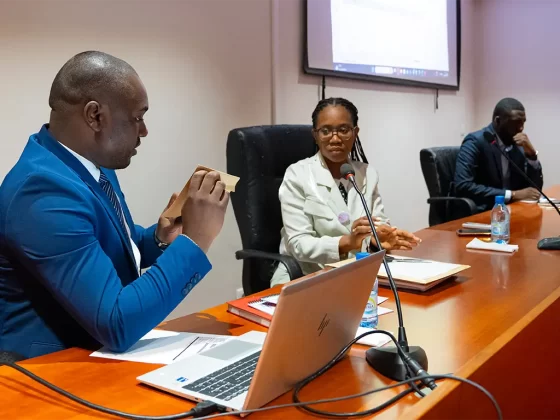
(454, 322)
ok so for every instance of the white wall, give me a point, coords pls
(395, 122)
(206, 66)
(518, 56)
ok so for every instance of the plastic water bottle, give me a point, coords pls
(369, 318)
(500, 221)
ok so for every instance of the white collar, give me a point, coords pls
(90, 166)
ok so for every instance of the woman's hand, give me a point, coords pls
(396, 239)
(360, 231)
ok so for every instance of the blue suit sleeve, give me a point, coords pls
(55, 237)
(147, 246)
(466, 170)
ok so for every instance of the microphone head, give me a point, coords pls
(346, 171)
(489, 137)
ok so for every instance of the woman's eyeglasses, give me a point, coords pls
(344, 132)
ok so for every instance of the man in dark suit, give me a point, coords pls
(70, 253)
(482, 172)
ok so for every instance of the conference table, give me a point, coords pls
(496, 324)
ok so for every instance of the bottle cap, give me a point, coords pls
(361, 255)
(499, 199)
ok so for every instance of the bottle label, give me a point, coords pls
(498, 228)
(371, 306)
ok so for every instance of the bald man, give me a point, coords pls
(70, 253)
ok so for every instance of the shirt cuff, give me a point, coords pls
(534, 163)
(507, 196)
(182, 234)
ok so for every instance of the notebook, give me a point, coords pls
(419, 276)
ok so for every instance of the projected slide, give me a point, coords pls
(391, 34)
(402, 39)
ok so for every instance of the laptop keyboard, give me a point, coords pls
(229, 382)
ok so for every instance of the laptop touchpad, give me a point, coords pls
(231, 349)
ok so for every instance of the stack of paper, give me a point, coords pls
(413, 273)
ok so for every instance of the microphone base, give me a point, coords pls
(386, 360)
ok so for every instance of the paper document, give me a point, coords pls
(373, 340)
(271, 299)
(416, 274)
(264, 305)
(419, 271)
(382, 311)
(165, 347)
(274, 299)
(492, 246)
(542, 200)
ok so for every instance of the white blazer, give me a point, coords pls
(315, 215)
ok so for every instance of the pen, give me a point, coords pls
(390, 258)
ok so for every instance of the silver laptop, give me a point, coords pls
(314, 319)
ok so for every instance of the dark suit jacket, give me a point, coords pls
(68, 276)
(478, 172)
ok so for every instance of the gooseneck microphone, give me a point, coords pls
(545, 243)
(386, 360)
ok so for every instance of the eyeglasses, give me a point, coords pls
(344, 132)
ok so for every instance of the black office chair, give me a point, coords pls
(259, 156)
(438, 167)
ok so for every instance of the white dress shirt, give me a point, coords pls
(96, 173)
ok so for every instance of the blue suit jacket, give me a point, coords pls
(67, 271)
(478, 171)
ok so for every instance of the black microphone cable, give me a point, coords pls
(412, 366)
(203, 409)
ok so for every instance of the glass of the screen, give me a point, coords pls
(402, 41)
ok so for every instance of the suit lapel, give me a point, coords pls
(54, 146)
(328, 190)
(496, 154)
(498, 161)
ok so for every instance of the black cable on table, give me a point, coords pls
(205, 408)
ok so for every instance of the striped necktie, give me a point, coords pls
(108, 188)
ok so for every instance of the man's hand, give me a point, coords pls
(526, 194)
(522, 140)
(205, 208)
(168, 228)
(396, 239)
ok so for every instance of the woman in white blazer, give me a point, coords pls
(324, 220)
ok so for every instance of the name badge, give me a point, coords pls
(343, 217)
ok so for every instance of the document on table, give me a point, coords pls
(268, 305)
(165, 347)
(274, 299)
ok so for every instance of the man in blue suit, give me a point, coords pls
(482, 172)
(70, 253)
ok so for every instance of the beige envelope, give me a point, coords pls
(175, 209)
